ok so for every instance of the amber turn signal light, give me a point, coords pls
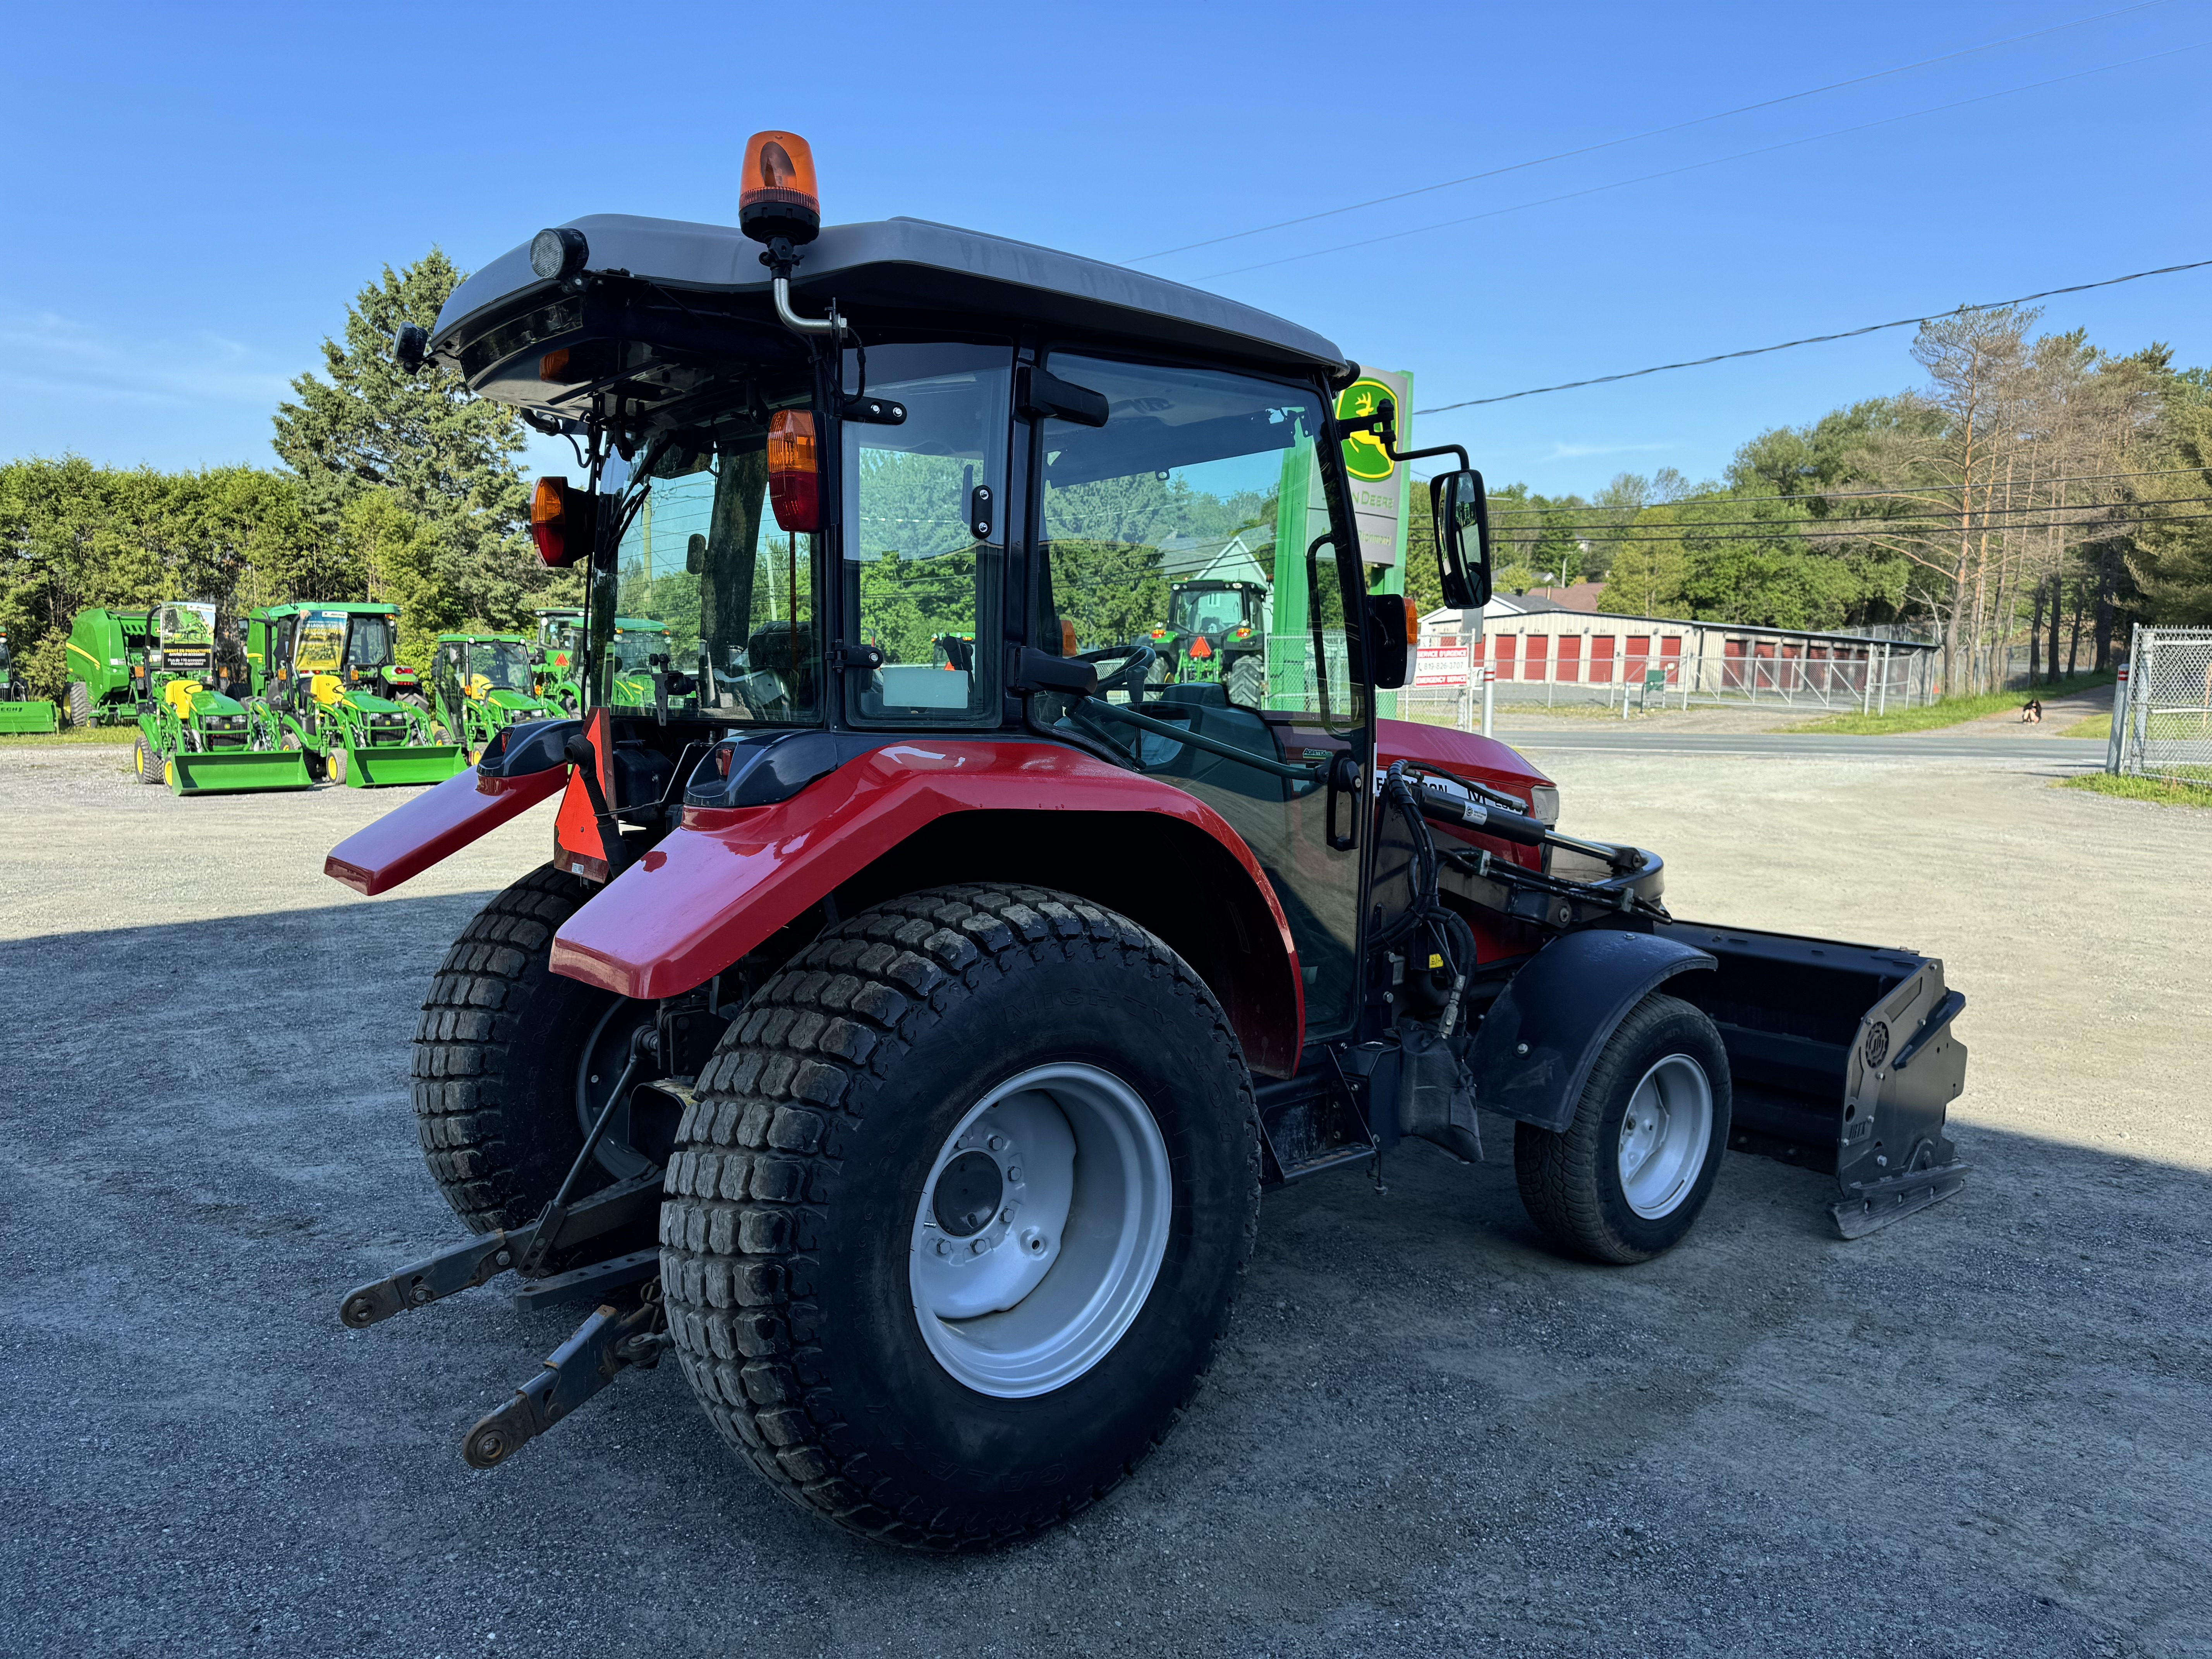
(560, 522)
(779, 196)
(794, 482)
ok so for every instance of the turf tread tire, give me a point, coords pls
(488, 1150)
(1570, 1180)
(758, 1157)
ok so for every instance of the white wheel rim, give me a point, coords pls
(1664, 1135)
(1049, 1234)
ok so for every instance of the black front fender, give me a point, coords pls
(1536, 1045)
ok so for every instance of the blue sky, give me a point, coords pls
(192, 194)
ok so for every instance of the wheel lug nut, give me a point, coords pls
(945, 1246)
(979, 1246)
(998, 1143)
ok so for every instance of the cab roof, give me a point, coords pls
(883, 267)
(482, 638)
(357, 607)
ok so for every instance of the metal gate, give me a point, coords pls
(2162, 718)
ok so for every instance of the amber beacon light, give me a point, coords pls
(779, 196)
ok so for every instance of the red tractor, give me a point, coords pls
(905, 1044)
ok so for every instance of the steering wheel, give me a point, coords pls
(1130, 675)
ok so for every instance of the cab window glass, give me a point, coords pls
(923, 584)
(1184, 527)
(322, 643)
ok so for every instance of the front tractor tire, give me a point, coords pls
(956, 1219)
(1628, 1176)
(507, 1053)
(146, 762)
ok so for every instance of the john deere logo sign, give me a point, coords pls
(1364, 457)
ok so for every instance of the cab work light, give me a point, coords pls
(794, 484)
(560, 522)
(779, 196)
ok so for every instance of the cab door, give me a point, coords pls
(1199, 475)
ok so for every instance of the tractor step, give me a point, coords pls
(604, 1345)
(477, 1261)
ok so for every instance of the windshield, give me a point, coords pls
(634, 645)
(703, 555)
(369, 643)
(1208, 611)
(321, 647)
(503, 664)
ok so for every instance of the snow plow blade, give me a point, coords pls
(379, 768)
(239, 771)
(1843, 1061)
(27, 717)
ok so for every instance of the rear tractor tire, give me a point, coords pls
(957, 1221)
(1629, 1175)
(511, 1060)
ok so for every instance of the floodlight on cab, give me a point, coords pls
(559, 253)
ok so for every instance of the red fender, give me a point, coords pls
(437, 823)
(726, 880)
(1468, 754)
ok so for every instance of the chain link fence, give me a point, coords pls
(2162, 722)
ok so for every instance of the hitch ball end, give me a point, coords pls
(495, 1436)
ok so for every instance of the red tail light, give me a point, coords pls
(795, 480)
(560, 522)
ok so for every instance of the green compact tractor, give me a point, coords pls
(558, 656)
(1216, 633)
(19, 710)
(484, 683)
(327, 686)
(639, 650)
(167, 669)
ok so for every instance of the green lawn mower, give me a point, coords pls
(166, 668)
(327, 685)
(19, 710)
(484, 683)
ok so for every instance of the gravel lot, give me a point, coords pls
(1981, 1431)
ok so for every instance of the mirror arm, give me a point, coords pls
(1383, 424)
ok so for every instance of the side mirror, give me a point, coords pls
(1462, 520)
(694, 555)
(411, 346)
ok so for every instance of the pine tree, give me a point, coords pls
(446, 459)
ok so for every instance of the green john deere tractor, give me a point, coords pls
(167, 669)
(1216, 632)
(482, 683)
(558, 658)
(326, 683)
(640, 647)
(19, 710)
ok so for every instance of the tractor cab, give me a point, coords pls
(638, 650)
(556, 655)
(1211, 627)
(483, 682)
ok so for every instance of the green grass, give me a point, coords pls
(1951, 711)
(70, 734)
(2097, 725)
(2155, 790)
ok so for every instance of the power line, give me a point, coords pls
(1695, 167)
(1816, 339)
(1616, 531)
(1796, 533)
(1635, 137)
(1818, 495)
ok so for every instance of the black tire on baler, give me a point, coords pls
(80, 703)
(1571, 1180)
(810, 1167)
(497, 1053)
